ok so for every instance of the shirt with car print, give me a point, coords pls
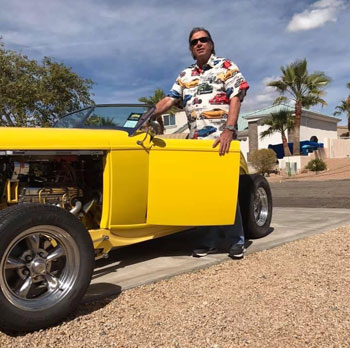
(206, 93)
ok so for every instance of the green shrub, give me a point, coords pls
(316, 165)
(263, 160)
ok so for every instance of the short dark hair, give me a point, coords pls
(195, 30)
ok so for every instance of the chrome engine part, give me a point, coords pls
(72, 182)
(60, 196)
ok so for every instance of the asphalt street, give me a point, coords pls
(311, 194)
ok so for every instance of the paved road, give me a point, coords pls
(312, 194)
(165, 257)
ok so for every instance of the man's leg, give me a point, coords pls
(235, 236)
(209, 240)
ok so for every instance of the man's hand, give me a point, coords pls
(225, 141)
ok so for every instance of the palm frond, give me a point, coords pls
(266, 133)
(279, 85)
(278, 122)
(280, 100)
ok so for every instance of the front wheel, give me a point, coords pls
(255, 201)
(46, 263)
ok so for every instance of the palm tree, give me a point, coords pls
(153, 100)
(304, 90)
(344, 107)
(279, 122)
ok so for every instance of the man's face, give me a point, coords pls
(201, 50)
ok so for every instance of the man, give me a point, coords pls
(211, 92)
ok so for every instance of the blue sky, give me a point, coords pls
(129, 48)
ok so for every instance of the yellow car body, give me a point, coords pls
(151, 187)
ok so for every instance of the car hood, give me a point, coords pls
(13, 138)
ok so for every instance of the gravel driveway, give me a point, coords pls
(296, 295)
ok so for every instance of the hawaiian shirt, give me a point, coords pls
(206, 93)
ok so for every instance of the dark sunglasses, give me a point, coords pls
(203, 39)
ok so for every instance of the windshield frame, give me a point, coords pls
(89, 109)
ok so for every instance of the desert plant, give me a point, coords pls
(263, 160)
(316, 165)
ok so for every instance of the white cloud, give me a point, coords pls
(317, 15)
(262, 97)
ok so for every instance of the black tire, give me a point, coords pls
(46, 263)
(255, 201)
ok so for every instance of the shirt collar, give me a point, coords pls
(209, 63)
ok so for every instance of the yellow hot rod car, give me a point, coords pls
(98, 180)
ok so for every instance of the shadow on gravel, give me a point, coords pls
(83, 309)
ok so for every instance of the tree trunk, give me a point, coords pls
(285, 145)
(296, 140)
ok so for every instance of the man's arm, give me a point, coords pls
(227, 135)
(164, 105)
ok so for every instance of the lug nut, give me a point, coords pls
(26, 272)
(42, 254)
(28, 258)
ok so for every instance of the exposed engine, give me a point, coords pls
(70, 180)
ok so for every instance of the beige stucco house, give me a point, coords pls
(312, 124)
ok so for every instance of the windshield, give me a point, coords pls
(105, 117)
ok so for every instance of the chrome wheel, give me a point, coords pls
(261, 206)
(255, 200)
(39, 268)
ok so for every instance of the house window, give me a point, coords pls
(169, 120)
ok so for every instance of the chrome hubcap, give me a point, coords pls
(261, 206)
(39, 268)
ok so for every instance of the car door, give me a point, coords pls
(190, 184)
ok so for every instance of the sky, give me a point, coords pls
(130, 48)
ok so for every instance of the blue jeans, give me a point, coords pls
(234, 234)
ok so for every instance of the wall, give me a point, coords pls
(244, 147)
(338, 148)
(322, 129)
(302, 161)
(253, 141)
(180, 120)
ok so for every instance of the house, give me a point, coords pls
(312, 124)
(175, 123)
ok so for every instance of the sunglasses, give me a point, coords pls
(203, 39)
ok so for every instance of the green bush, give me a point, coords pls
(263, 160)
(316, 165)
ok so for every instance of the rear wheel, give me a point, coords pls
(46, 263)
(255, 201)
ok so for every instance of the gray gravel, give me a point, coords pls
(296, 295)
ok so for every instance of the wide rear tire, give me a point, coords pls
(46, 263)
(255, 201)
